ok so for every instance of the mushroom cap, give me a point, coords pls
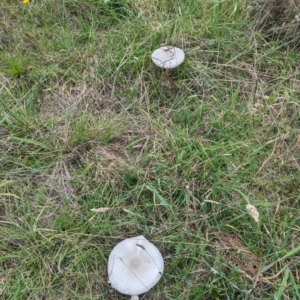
(168, 57)
(134, 266)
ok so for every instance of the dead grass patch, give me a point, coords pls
(279, 20)
(235, 251)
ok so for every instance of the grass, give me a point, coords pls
(87, 121)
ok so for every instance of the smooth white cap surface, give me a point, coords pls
(134, 266)
(168, 57)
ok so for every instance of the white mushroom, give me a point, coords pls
(168, 57)
(134, 266)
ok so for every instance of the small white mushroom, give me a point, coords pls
(134, 266)
(168, 57)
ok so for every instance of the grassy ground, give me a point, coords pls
(87, 121)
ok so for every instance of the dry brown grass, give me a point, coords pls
(280, 20)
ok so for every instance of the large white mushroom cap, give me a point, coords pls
(168, 57)
(134, 266)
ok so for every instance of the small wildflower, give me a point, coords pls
(253, 212)
(25, 1)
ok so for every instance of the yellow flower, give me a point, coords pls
(25, 1)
